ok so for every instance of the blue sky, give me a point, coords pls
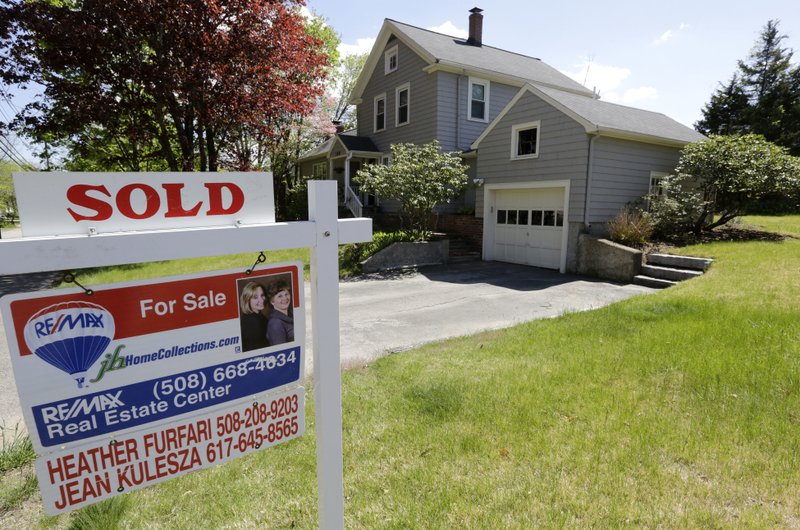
(663, 56)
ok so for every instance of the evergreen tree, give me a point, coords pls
(727, 111)
(763, 96)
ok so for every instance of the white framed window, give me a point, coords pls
(380, 113)
(320, 170)
(390, 60)
(525, 140)
(655, 189)
(386, 160)
(478, 104)
(402, 105)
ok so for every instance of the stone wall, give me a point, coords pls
(406, 255)
(608, 260)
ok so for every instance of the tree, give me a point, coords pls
(727, 111)
(420, 177)
(170, 79)
(717, 179)
(763, 96)
(344, 80)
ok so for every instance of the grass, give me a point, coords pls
(678, 410)
(141, 271)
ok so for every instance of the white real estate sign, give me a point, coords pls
(147, 360)
(94, 203)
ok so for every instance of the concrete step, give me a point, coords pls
(681, 262)
(464, 258)
(669, 273)
(656, 283)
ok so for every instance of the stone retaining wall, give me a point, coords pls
(608, 260)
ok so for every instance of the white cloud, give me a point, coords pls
(602, 78)
(635, 95)
(448, 28)
(670, 34)
(361, 46)
(664, 37)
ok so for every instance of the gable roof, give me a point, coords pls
(348, 139)
(607, 119)
(447, 53)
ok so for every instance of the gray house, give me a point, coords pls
(548, 160)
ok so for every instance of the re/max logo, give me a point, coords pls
(51, 325)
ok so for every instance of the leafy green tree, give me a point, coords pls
(8, 199)
(717, 179)
(420, 177)
(763, 96)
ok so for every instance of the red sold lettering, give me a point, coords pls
(215, 206)
(79, 196)
(174, 203)
(224, 198)
(153, 202)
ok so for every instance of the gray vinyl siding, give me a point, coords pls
(455, 131)
(621, 173)
(422, 102)
(563, 153)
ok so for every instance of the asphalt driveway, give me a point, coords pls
(386, 313)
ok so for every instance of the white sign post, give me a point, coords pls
(94, 246)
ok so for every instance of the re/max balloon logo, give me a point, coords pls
(70, 336)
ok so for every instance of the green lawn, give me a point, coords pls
(679, 409)
(140, 271)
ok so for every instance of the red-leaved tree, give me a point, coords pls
(177, 80)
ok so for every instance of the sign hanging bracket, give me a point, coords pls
(69, 277)
(260, 259)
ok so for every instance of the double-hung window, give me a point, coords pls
(403, 105)
(478, 100)
(380, 113)
(525, 140)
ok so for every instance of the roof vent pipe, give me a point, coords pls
(475, 27)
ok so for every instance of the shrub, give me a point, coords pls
(630, 227)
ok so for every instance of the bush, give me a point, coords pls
(351, 256)
(630, 227)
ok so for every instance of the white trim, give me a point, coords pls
(379, 97)
(489, 203)
(486, 89)
(515, 130)
(387, 59)
(406, 87)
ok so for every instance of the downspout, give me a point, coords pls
(458, 111)
(589, 171)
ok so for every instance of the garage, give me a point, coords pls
(529, 226)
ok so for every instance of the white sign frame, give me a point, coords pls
(323, 233)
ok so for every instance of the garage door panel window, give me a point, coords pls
(501, 217)
(547, 218)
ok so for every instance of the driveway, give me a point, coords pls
(384, 313)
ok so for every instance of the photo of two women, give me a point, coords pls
(266, 311)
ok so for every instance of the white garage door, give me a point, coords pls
(529, 224)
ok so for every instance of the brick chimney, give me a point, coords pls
(475, 27)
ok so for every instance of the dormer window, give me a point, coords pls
(390, 58)
(478, 107)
